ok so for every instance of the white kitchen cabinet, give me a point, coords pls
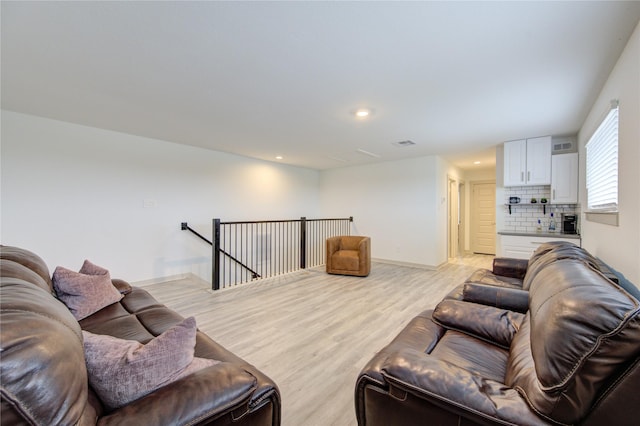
(515, 162)
(564, 178)
(522, 247)
(527, 162)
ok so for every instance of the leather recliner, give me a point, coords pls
(349, 255)
(572, 358)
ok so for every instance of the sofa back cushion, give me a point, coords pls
(351, 242)
(580, 334)
(545, 248)
(551, 252)
(23, 264)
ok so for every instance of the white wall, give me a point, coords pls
(619, 246)
(400, 204)
(71, 192)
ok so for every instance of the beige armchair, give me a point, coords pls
(349, 255)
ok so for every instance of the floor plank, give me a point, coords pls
(312, 332)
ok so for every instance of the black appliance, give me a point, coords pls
(569, 224)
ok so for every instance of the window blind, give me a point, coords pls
(602, 166)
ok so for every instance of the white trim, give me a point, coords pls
(607, 218)
(152, 281)
(409, 264)
(602, 173)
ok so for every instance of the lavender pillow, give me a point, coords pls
(121, 371)
(85, 292)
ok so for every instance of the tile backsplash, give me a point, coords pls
(524, 218)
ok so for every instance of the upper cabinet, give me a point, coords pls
(564, 178)
(527, 162)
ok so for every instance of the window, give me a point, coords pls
(602, 165)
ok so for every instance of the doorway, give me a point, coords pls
(483, 214)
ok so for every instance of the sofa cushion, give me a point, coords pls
(347, 260)
(85, 292)
(551, 252)
(485, 276)
(445, 384)
(581, 329)
(121, 371)
(32, 264)
(9, 268)
(488, 323)
(471, 354)
(350, 242)
(512, 299)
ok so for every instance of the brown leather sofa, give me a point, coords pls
(573, 357)
(44, 378)
(507, 284)
(349, 255)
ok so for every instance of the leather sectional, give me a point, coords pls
(571, 356)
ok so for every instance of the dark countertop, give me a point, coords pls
(540, 234)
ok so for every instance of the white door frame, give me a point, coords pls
(453, 208)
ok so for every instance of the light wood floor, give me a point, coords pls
(312, 332)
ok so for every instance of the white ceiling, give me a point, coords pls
(262, 79)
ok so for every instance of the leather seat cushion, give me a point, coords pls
(139, 316)
(350, 242)
(472, 354)
(346, 260)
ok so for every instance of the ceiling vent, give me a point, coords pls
(402, 144)
(563, 144)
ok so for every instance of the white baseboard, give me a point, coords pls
(159, 280)
(407, 264)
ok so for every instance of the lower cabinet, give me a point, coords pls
(522, 247)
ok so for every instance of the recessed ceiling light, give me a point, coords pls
(278, 157)
(476, 162)
(362, 112)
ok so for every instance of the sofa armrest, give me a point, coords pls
(204, 395)
(122, 286)
(512, 299)
(493, 325)
(333, 245)
(607, 271)
(443, 383)
(510, 267)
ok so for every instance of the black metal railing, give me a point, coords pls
(249, 250)
(244, 251)
(185, 227)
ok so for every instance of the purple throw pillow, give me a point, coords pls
(121, 371)
(85, 292)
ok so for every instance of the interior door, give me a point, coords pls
(483, 212)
